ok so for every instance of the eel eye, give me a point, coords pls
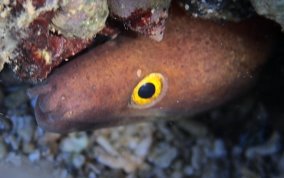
(148, 91)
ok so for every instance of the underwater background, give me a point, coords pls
(240, 139)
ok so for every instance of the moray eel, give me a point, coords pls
(198, 65)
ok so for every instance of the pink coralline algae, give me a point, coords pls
(146, 16)
(42, 50)
(37, 35)
(35, 38)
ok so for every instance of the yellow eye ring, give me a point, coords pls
(149, 91)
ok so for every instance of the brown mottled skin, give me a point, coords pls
(205, 64)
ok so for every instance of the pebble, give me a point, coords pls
(12, 141)
(92, 175)
(24, 126)
(188, 170)
(281, 163)
(198, 157)
(218, 150)
(78, 160)
(28, 148)
(1, 96)
(92, 168)
(75, 142)
(271, 147)
(142, 148)
(34, 156)
(194, 128)
(164, 132)
(102, 141)
(14, 159)
(163, 155)
(3, 150)
(63, 173)
(176, 175)
(125, 162)
(6, 124)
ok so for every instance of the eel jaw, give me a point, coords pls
(43, 118)
(54, 121)
(55, 118)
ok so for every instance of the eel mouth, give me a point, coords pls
(56, 118)
(45, 117)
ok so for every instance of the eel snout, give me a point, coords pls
(45, 113)
(59, 105)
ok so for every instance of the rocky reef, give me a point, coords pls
(80, 18)
(241, 139)
(218, 9)
(37, 35)
(147, 17)
(272, 9)
(32, 38)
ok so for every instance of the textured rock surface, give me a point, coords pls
(30, 38)
(80, 18)
(272, 9)
(147, 17)
(231, 10)
(37, 35)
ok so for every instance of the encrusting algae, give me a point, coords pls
(80, 18)
(231, 10)
(147, 17)
(272, 9)
(38, 35)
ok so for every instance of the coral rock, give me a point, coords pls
(146, 17)
(218, 9)
(35, 36)
(81, 18)
(272, 9)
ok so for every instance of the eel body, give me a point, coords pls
(199, 65)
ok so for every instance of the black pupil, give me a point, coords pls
(147, 90)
